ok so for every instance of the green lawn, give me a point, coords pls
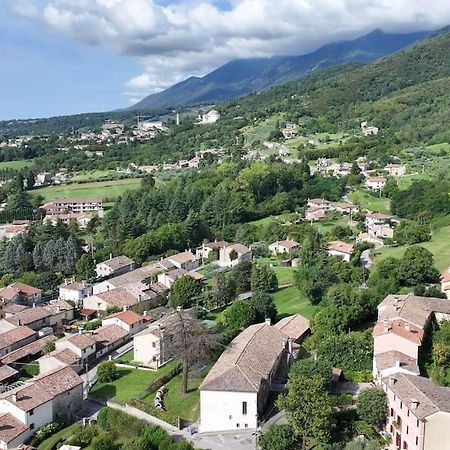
(185, 406)
(289, 301)
(128, 356)
(406, 181)
(285, 275)
(366, 201)
(20, 164)
(439, 246)
(326, 226)
(61, 436)
(131, 383)
(101, 189)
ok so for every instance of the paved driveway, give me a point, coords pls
(224, 441)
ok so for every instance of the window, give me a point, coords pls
(31, 426)
(230, 417)
(407, 413)
(417, 424)
(392, 412)
(153, 344)
(238, 425)
(407, 429)
(417, 440)
(405, 446)
(31, 412)
(246, 425)
(401, 405)
(244, 408)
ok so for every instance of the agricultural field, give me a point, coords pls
(17, 165)
(367, 201)
(92, 175)
(325, 140)
(102, 189)
(260, 131)
(439, 246)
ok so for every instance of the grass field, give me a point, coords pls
(92, 175)
(281, 218)
(20, 164)
(325, 226)
(260, 131)
(131, 383)
(439, 246)
(185, 406)
(101, 189)
(406, 181)
(366, 201)
(290, 301)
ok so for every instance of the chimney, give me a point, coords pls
(34, 304)
(397, 363)
(139, 297)
(19, 322)
(392, 380)
(110, 256)
(268, 322)
(407, 327)
(414, 403)
(124, 308)
(14, 397)
(179, 308)
(144, 313)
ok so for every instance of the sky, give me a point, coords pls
(70, 56)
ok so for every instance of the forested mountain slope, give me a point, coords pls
(242, 76)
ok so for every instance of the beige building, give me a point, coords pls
(340, 249)
(287, 246)
(115, 266)
(233, 254)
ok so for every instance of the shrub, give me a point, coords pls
(153, 436)
(277, 437)
(104, 442)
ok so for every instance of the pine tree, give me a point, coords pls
(38, 256)
(71, 256)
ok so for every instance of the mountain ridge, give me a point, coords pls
(243, 76)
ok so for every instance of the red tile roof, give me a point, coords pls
(128, 317)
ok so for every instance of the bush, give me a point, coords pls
(153, 436)
(104, 442)
(277, 437)
(48, 430)
(107, 372)
(83, 435)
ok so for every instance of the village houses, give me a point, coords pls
(419, 410)
(395, 170)
(20, 293)
(114, 266)
(233, 254)
(75, 291)
(234, 394)
(375, 183)
(284, 247)
(445, 282)
(38, 402)
(341, 249)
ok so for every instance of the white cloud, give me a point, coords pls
(194, 36)
(24, 8)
